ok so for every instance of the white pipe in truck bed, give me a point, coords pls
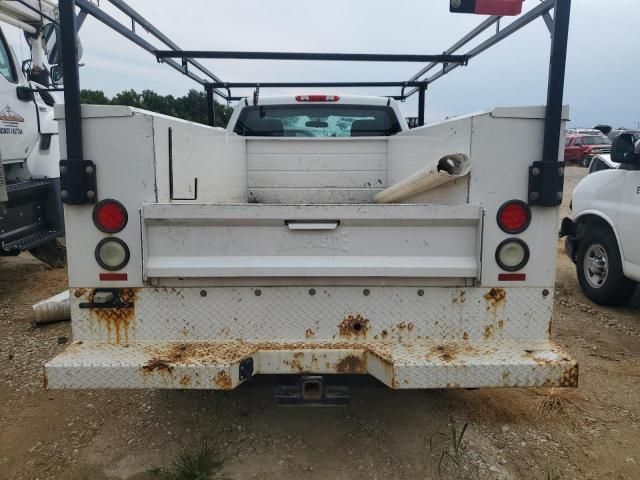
(450, 167)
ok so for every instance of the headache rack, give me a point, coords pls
(546, 176)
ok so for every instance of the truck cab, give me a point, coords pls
(317, 116)
(29, 146)
(601, 233)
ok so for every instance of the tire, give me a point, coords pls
(599, 269)
(53, 253)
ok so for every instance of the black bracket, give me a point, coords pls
(195, 180)
(115, 303)
(256, 95)
(546, 184)
(245, 369)
(78, 182)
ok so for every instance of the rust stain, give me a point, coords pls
(446, 353)
(296, 362)
(117, 320)
(549, 325)
(569, 377)
(465, 336)
(353, 326)
(79, 292)
(500, 324)
(460, 298)
(488, 331)
(401, 326)
(185, 381)
(309, 333)
(157, 365)
(496, 298)
(410, 326)
(222, 380)
(351, 364)
(450, 352)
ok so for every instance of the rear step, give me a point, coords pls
(33, 215)
(225, 365)
(31, 241)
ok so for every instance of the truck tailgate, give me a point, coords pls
(256, 240)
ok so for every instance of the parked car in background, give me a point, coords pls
(580, 149)
(614, 133)
(602, 229)
(585, 131)
(602, 162)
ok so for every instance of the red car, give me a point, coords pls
(581, 149)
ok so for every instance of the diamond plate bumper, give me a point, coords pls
(210, 365)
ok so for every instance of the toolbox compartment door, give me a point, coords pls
(355, 240)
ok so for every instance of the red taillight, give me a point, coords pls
(514, 216)
(110, 216)
(498, 7)
(317, 98)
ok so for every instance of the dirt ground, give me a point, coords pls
(589, 433)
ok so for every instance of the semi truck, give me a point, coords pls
(317, 236)
(31, 213)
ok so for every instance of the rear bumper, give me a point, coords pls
(224, 366)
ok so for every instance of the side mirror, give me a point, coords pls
(56, 74)
(623, 149)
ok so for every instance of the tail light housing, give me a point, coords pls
(512, 255)
(110, 216)
(317, 98)
(112, 254)
(514, 217)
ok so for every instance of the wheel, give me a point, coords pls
(53, 253)
(599, 269)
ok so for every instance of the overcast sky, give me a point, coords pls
(603, 69)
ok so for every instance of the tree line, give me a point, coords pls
(192, 106)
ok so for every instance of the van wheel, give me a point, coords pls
(53, 253)
(599, 270)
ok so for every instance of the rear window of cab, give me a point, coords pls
(320, 120)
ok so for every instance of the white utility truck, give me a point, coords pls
(602, 231)
(31, 213)
(316, 235)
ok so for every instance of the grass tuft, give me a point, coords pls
(558, 403)
(453, 446)
(194, 465)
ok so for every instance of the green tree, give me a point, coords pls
(192, 106)
(130, 98)
(93, 97)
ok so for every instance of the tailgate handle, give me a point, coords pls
(312, 224)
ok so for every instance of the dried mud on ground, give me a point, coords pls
(589, 433)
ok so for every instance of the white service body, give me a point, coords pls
(314, 278)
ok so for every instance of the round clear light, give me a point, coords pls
(112, 254)
(512, 255)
